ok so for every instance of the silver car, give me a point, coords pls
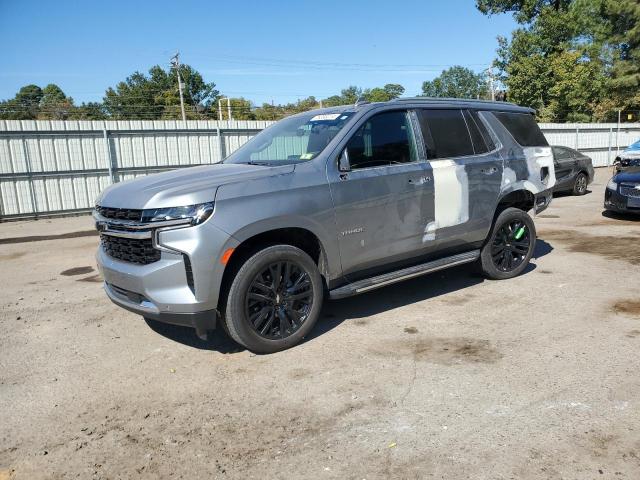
(336, 202)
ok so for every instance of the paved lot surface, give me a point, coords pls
(445, 376)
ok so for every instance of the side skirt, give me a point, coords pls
(372, 283)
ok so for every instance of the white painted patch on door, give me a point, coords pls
(451, 197)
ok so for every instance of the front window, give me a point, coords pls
(384, 139)
(292, 140)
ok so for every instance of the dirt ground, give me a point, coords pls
(444, 376)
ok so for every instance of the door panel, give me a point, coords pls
(385, 202)
(466, 184)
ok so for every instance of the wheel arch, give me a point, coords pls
(300, 237)
(521, 198)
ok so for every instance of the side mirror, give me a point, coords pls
(343, 162)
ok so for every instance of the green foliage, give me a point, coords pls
(384, 94)
(89, 111)
(624, 18)
(525, 10)
(457, 82)
(241, 109)
(571, 59)
(156, 95)
(275, 112)
(54, 104)
(24, 106)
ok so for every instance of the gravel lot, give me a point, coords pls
(444, 376)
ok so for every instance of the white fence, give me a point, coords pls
(54, 167)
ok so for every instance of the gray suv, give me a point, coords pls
(336, 202)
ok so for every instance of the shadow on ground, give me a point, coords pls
(628, 217)
(356, 308)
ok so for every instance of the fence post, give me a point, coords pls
(32, 191)
(609, 151)
(577, 136)
(107, 152)
(220, 146)
(618, 135)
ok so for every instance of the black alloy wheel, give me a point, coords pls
(511, 245)
(279, 300)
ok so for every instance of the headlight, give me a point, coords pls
(197, 214)
(612, 185)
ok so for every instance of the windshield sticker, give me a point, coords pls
(307, 156)
(325, 116)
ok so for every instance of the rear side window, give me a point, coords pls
(479, 145)
(483, 130)
(523, 128)
(445, 133)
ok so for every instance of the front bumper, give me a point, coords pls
(615, 202)
(201, 321)
(162, 290)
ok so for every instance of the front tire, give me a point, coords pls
(509, 246)
(274, 300)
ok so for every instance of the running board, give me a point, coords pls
(372, 283)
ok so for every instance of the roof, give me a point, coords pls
(464, 102)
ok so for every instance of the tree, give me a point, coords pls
(525, 10)
(54, 104)
(156, 95)
(89, 111)
(241, 109)
(24, 106)
(559, 60)
(384, 94)
(624, 19)
(456, 82)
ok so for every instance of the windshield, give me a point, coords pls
(292, 140)
(634, 146)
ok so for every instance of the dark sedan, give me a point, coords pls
(623, 192)
(574, 170)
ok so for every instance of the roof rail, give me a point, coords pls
(449, 100)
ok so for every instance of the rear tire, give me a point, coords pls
(580, 184)
(274, 300)
(509, 246)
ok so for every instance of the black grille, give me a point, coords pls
(130, 249)
(120, 213)
(629, 190)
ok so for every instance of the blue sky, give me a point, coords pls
(263, 50)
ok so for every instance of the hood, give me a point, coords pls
(631, 175)
(187, 186)
(632, 151)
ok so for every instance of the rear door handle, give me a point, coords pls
(489, 171)
(419, 181)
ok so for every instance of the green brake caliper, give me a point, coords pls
(519, 233)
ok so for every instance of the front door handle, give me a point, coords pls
(489, 171)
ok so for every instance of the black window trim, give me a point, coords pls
(420, 155)
(496, 141)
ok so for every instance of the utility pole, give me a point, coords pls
(175, 62)
(491, 80)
